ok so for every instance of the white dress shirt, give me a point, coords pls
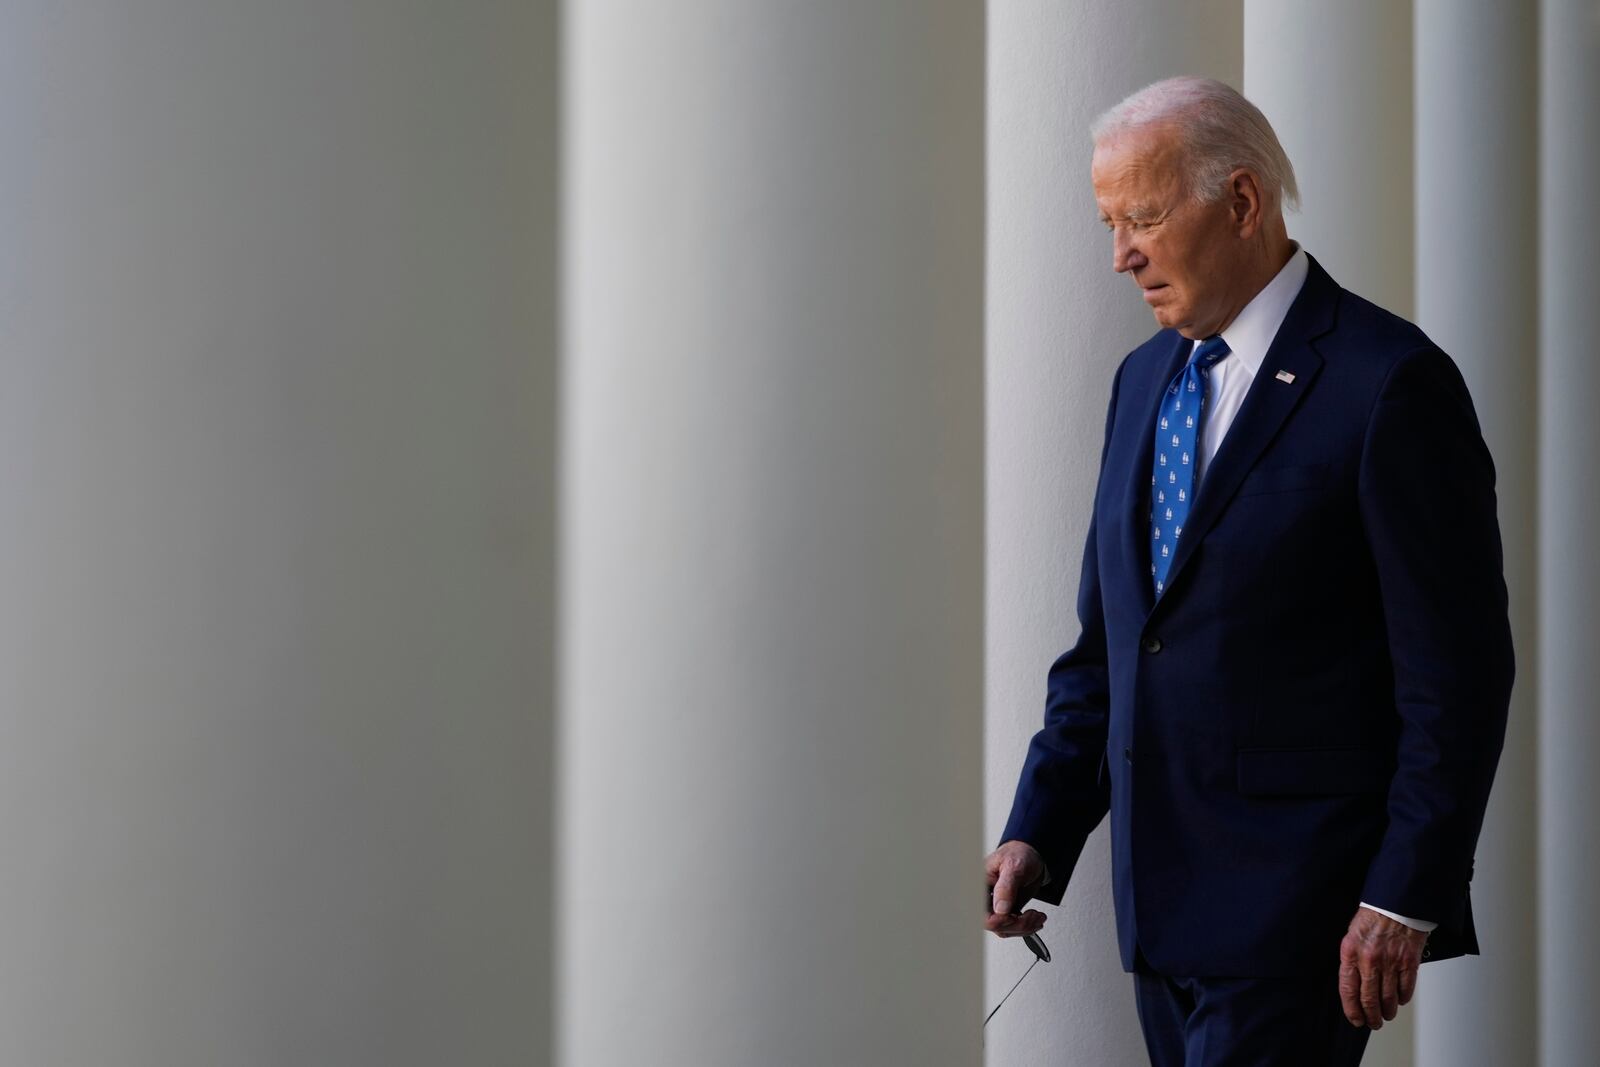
(1248, 337)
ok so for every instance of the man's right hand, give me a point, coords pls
(1014, 871)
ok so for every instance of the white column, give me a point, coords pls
(1477, 259)
(772, 538)
(1335, 81)
(1059, 321)
(275, 465)
(1569, 454)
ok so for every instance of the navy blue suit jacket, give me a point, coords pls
(1310, 715)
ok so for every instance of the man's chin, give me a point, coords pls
(1168, 318)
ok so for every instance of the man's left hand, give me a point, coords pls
(1378, 961)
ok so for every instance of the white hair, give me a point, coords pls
(1218, 131)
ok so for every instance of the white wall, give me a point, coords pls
(275, 548)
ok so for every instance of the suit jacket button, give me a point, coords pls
(1152, 644)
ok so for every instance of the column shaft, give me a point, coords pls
(1335, 81)
(1059, 322)
(1477, 261)
(1569, 454)
(772, 539)
(275, 539)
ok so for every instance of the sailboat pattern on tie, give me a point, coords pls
(1176, 451)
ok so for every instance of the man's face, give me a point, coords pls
(1182, 253)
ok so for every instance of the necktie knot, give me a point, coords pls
(1207, 352)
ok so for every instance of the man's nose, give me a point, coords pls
(1124, 256)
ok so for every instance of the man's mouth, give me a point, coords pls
(1151, 290)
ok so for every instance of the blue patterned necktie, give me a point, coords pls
(1178, 426)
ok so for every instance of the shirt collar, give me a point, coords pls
(1250, 334)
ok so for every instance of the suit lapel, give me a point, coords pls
(1267, 404)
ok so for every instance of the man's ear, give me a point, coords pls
(1245, 202)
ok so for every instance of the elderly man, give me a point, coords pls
(1291, 682)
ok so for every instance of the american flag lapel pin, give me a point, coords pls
(1285, 376)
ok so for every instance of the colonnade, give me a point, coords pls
(287, 458)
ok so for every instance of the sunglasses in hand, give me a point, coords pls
(1040, 952)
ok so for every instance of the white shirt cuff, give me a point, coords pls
(1416, 924)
